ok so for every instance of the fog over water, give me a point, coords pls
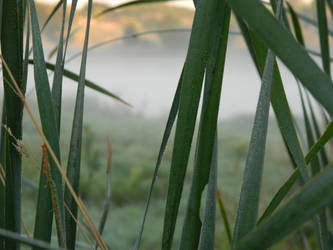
(147, 79)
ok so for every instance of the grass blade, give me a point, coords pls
(12, 52)
(171, 120)
(190, 94)
(208, 125)
(53, 12)
(323, 35)
(249, 198)
(43, 223)
(287, 49)
(73, 76)
(314, 196)
(74, 159)
(208, 226)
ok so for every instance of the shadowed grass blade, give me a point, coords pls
(190, 94)
(287, 49)
(12, 52)
(74, 158)
(314, 196)
(43, 223)
(207, 238)
(208, 125)
(53, 12)
(323, 35)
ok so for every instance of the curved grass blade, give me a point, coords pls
(26, 241)
(314, 196)
(127, 4)
(296, 25)
(44, 215)
(323, 35)
(208, 125)
(171, 120)
(70, 23)
(74, 158)
(73, 76)
(12, 52)
(208, 226)
(190, 94)
(287, 49)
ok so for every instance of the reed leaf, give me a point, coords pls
(74, 159)
(44, 214)
(208, 125)
(12, 52)
(190, 94)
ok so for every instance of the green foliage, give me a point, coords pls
(252, 197)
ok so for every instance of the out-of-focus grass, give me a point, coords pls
(139, 137)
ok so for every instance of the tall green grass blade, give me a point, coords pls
(314, 196)
(208, 125)
(73, 76)
(224, 216)
(208, 226)
(4, 138)
(323, 35)
(190, 94)
(287, 49)
(58, 72)
(12, 52)
(249, 198)
(281, 108)
(44, 214)
(170, 122)
(74, 159)
(26, 241)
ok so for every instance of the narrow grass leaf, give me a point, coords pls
(208, 125)
(51, 15)
(74, 158)
(12, 52)
(127, 4)
(249, 198)
(190, 94)
(44, 215)
(207, 238)
(73, 76)
(170, 122)
(314, 196)
(287, 49)
(323, 35)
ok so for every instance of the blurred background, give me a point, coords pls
(144, 71)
